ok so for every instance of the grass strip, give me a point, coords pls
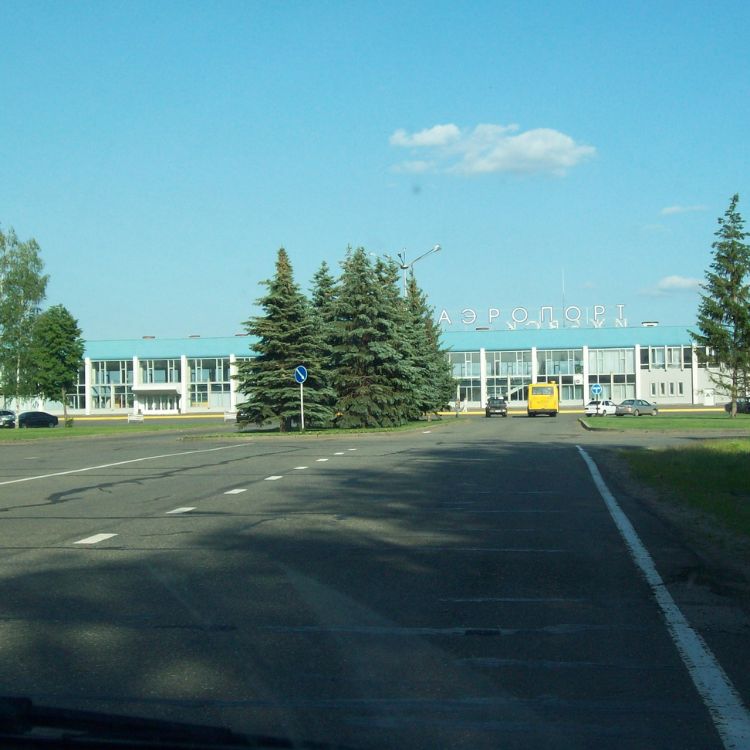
(90, 430)
(666, 423)
(711, 476)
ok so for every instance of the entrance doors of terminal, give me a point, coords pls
(159, 403)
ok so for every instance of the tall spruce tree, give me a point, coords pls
(724, 310)
(323, 298)
(403, 365)
(364, 351)
(435, 385)
(286, 336)
(22, 289)
(324, 293)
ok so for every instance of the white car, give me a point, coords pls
(600, 408)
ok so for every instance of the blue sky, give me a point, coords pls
(162, 152)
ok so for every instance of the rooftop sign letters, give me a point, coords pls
(570, 316)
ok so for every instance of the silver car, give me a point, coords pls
(636, 407)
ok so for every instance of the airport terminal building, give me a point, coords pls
(194, 375)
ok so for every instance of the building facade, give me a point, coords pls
(196, 375)
(658, 363)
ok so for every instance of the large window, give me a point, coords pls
(674, 356)
(466, 369)
(559, 361)
(112, 384)
(606, 361)
(209, 384)
(119, 371)
(508, 374)
(160, 371)
(77, 397)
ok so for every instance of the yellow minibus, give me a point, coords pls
(543, 399)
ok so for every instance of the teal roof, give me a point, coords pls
(156, 348)
(457, 341)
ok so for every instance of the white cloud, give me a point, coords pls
(678, 284)
(439, 135)
(671, 210)
(671, 285)
(488, 148)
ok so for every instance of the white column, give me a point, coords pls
(586, 391)
(232, 382)
(482, 377)
(136, 381)
(184, 382)
(534, 364)
(694, 375)
(88, 395)
(637, 355)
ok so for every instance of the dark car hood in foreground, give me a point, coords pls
(26, 725)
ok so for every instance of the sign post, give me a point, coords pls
(596, 391)
(300, 375)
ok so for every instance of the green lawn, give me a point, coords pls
(91, 429)
(711, 476)
(664, 421)
(86, 430)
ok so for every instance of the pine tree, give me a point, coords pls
(724, 311)
(286, 336)
(324, 292)
(435, 385)
(403, 365)
(365, 357)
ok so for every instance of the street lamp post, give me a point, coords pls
(406, 266)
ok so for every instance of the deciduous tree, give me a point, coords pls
(22, 290)
(57, 354)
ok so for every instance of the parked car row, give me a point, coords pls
(743, 405)
(28, 419)
(634, 406)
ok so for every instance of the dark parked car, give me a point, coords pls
(636, 407)
(37, 419)
(497, 406)
(243, 417)
(7, 418)
(743, 405)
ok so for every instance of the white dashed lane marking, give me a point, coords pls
(237, 491)
(179, 510)
(299, 468)
(273, 478)
(95, 539)
(320, 460)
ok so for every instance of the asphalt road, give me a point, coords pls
(461, 586)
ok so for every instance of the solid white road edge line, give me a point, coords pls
(729, 714)
(117, 463)
(95, 539)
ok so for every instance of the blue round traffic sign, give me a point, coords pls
(596, 389)
(300, 374)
